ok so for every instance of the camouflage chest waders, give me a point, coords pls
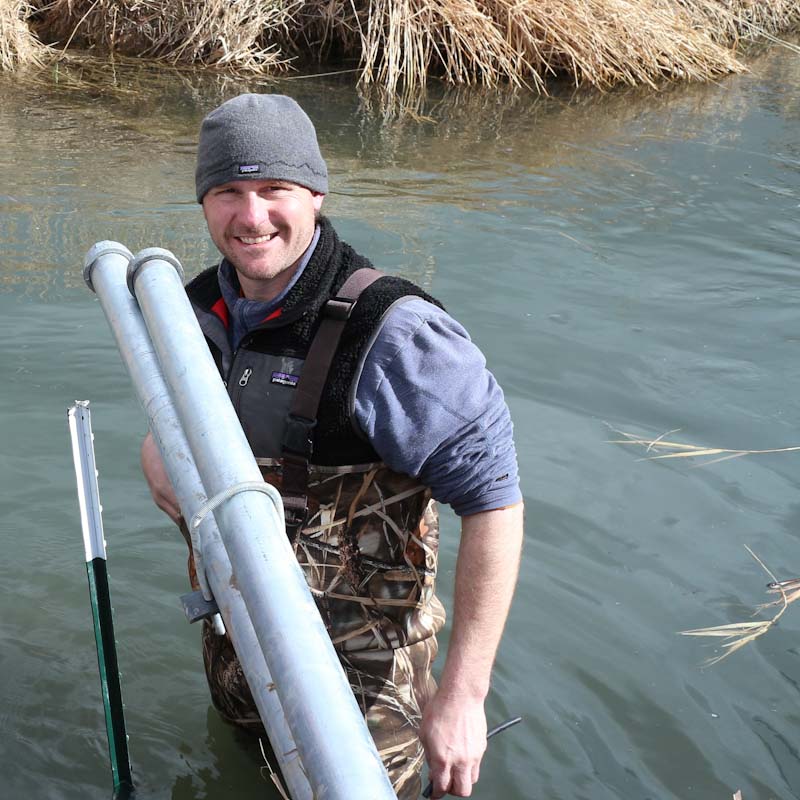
(369, 553)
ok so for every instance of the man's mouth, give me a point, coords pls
(255, 239)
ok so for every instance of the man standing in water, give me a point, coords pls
(360, 434)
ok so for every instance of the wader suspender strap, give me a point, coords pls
(297, 444)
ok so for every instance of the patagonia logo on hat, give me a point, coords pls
(249, 169)
(284, 379)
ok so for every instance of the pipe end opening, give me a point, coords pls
(151, 254)
(96, 252)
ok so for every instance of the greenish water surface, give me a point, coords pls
(627, 260)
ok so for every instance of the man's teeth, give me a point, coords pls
(255, 239)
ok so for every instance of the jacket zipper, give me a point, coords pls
(238, 378)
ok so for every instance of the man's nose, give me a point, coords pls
(253, 209)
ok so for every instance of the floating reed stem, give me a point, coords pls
(738, 634)
(682, 450)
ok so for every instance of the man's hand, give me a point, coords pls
(453, 734)
(453, 730)
(156, 477)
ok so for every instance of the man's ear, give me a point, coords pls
(316, 199)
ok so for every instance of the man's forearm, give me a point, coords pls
(486, 574)
(454, 723)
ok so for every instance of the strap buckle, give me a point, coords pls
(295, 512)
(297, 436)
(339, 308)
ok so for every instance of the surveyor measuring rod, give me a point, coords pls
(80, 427)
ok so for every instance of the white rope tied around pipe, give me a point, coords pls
(216, 502)
(245, 486)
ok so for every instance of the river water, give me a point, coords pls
(626, 262)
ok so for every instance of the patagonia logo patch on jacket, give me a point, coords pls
(284, 379)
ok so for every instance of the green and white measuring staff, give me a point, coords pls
(80, 427)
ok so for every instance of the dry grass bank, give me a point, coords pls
(19, 47)
(397, 44)
(728, 22)
(240, 35)
(596, 42)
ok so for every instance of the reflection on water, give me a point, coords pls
(627, 259)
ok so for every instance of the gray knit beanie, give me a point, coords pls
(259, 137)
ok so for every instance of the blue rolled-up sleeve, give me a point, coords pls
(431, 409)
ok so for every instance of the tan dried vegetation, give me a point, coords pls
(737, 634)
(734, 635)
(19, 47)
(399, 43)
(213, 32)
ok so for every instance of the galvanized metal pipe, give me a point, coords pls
(316, 698)
(105, 273)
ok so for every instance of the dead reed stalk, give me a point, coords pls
(19, 47)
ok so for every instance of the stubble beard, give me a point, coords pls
(273, 274)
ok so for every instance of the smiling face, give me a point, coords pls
(262, 227)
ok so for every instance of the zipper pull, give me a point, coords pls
(245, 377)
